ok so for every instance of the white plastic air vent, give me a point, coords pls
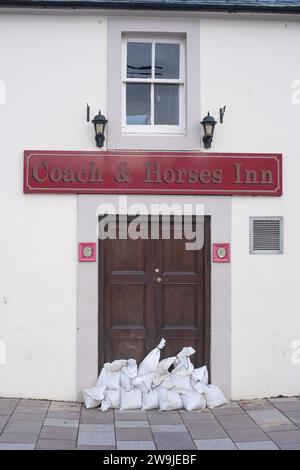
(266, 235)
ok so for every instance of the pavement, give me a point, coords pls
(256, 424)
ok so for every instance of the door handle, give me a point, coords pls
(158, 279)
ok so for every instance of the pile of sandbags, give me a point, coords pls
(170, 384)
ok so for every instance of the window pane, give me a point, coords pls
(166, 104)
(139, 59)
(138, 106)
(166, 60)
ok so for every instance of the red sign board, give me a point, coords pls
(152, 173)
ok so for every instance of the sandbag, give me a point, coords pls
(162, 371)
(183, 357)
(150, 363)
(131, 400)
(169, 400)
(200, 374)
(165, 382)
(111, 400)
(181, 374)
(193, 401)
(128, 373)
(143, 382)
(110, 374)
(150, 400)
(93, 396)
(199, 379)
(214, 396)
(181, 383)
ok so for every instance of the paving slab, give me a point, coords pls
(72, 423)
(293, 416)
(234, 422)
(34, 403)
(248, 435)
(273, 416)
(136, 416)
(53, 444)
(17, 446)
(198, 415)
(96, 438)
(24, 427)
(173, 441)
(135, 445)
(278, 427)
(97, 417)
(132, 424)
(260, 445)
(63, 405)
(3, 420)
(256, 404)
(168, 428)
(18, 438)
(58, 432)
(131, 434)
(96, 447)
(96, 427)
(63, 414)
(215, 444)
(206, 432)
(290, 447)
(16, 416)
(285, 437)
(164, 417)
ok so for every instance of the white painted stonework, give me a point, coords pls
(51, 65)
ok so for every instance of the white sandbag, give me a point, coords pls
(200, 374)
(93, 396)
(131, 400)
(110, 374)
(199, 379)
(181, 374)
(193, 401)
(214, 396)
(181, 382)
(128, 373)
(150, 363)
(165, 382)
(143, 382)
(162, 371)
(169, 400)
(199, 387)
(150, 400)
(111, 400)
(184, 354)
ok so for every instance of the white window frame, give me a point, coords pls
(154, 129)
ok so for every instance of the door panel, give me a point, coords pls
(149, 289)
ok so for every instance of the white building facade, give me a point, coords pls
(55, 60)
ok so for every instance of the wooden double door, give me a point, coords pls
(151, 289)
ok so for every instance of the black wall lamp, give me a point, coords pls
(99, 122)
(208, 124)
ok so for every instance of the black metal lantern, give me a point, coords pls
(99, 122)
(208, 125)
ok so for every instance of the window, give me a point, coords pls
(153, 86)
(266, 235)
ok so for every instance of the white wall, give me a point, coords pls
(52, 66)
(250, 67)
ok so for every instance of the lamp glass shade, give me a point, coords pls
(99, 128)
(209, 129)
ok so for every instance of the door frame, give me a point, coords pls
(207, 287)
